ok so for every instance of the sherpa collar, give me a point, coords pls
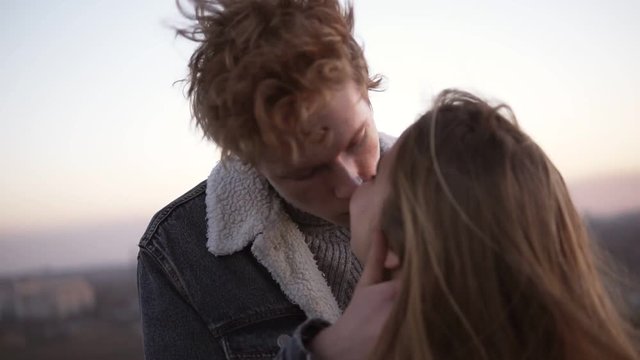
(243, 208)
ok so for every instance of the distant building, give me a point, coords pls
(58, 298)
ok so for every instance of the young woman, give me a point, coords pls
(492, 258)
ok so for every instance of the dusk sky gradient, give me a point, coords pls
(94, 131)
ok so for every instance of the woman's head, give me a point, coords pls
(494, 260)
(283, 85)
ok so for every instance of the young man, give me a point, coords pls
(230, 269)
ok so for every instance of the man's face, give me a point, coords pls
(325, 176)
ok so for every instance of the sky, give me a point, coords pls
(95, 135)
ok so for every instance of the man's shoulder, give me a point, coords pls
(186, 209)
(176, 238)
(228, 292)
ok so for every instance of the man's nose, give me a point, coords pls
(347, 179)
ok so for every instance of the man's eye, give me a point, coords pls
(360, 140)
(306, 175)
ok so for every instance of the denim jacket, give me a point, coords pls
(224, 273)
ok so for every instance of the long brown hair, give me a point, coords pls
(495, 261)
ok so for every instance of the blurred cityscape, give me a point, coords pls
(94, 314)
(90, 314)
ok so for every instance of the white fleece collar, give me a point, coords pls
(241, 208)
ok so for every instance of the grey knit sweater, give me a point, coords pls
(330, 246)
(310, 259)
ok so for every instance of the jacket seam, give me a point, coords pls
(220, 330)
(163, 214)
(169, 270)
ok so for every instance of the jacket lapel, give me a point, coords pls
(243, 208)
